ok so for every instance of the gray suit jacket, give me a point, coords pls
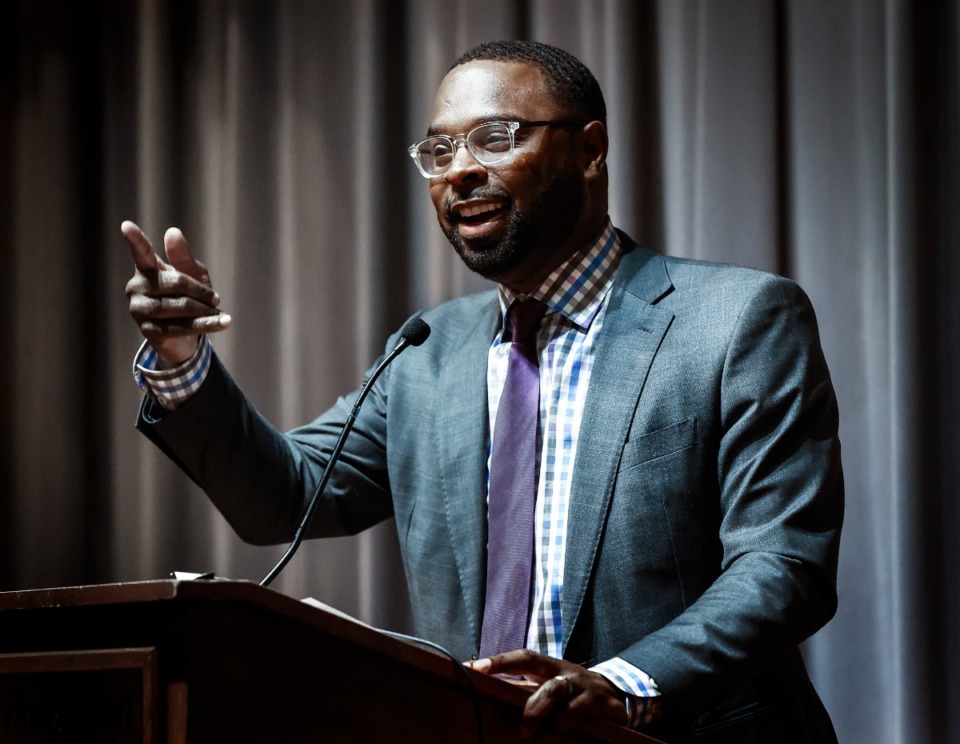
(705, 510)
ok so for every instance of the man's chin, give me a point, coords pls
(465, 247)
(483, 255)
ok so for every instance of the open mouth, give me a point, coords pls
(477, 215)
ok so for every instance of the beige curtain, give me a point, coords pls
(815, 139)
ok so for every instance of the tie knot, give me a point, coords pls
(525, 317)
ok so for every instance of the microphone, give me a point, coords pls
(414, 332)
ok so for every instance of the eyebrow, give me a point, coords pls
(477, 122)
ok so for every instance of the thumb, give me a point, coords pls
(181, 258)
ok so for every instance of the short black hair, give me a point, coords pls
(570, 81)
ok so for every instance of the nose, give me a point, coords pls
(465, 167)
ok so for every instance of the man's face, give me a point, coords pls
(512, 222)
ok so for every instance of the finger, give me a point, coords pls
(160, 329)
(524, 662)
(168, 283)
(144, 307)
(181, 257)
(549, 698)
(479, 665)
(589, 702)
(145, 258)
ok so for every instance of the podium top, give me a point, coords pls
(263, 608)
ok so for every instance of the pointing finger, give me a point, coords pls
(145, 258)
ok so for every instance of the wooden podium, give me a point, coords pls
(230, 661)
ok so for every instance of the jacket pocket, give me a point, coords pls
(659, 443)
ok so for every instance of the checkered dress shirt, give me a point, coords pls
(575, 295)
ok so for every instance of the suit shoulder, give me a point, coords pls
(462, 317)
(666, 279)
(696, 271)
(466, 305)
(711, 279)
(462, 311)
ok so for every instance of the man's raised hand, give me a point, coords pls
(173, 303)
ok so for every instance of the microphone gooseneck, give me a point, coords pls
(414, 332)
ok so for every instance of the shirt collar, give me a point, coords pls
(577, 287)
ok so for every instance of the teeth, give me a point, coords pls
(480, 209)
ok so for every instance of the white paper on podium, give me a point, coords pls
(334, 611)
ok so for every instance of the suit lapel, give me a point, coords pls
(463, 433)
(633, 328)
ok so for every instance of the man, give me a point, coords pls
(684, 456)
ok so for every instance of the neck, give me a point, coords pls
(573, 249)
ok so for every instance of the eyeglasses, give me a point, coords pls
(489, 143)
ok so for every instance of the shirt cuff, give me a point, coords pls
(172, 387)
(627, 677)
(641, 694)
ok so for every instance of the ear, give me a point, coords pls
(595, 145)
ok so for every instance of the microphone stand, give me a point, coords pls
(414, 333)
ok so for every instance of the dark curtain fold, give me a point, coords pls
(815, 139)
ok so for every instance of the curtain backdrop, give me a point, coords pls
(818, 139)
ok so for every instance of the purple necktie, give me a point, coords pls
(513, 489)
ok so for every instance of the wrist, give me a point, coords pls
(171, 387)
(175, 352)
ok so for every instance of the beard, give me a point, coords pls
(491, 258)
(550, 220)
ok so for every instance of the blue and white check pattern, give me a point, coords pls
(575, 295)
(171, 387)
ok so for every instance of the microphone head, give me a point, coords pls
(415, 331)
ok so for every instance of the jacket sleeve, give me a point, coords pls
(261, 479)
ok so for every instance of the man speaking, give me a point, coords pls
(617, 474)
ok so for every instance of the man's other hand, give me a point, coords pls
(172, 302)
(567, 693)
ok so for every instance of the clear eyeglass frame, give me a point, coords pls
(489, 143)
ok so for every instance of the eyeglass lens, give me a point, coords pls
(488, 143)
